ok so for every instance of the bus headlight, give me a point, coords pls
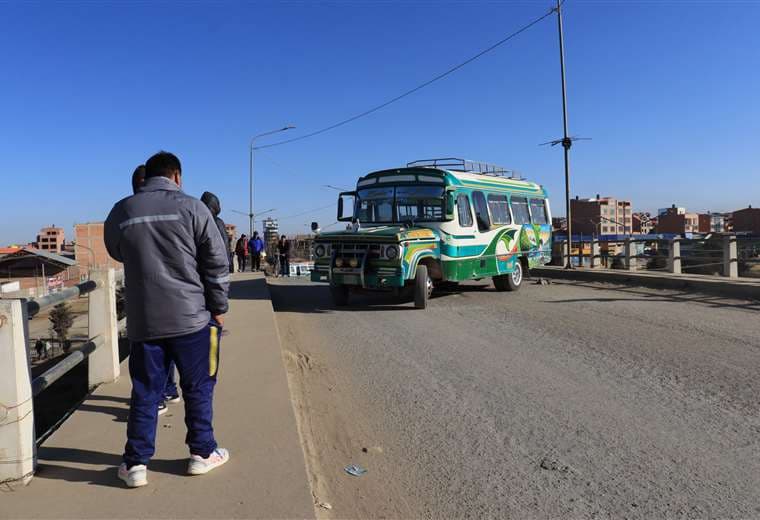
(353, 262)
(319, 251)
(391, 252)
(338, 262)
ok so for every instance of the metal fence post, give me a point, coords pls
(629, 263)
(674, 256)
(595, 256)
(18, 450)
(730, 257)
(104, 361)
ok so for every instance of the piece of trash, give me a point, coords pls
(355, 470)
(324, 505)
(167, 425)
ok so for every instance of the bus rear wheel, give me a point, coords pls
(339, 295)
(511, 281)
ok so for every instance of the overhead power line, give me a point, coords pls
(309, 211)
(415, 89)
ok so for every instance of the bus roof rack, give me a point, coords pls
(465, 165)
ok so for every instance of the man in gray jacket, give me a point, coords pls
(177, 278)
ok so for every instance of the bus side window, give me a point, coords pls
(481, 211)
(520, 210)
(499, 206)
(538, 211)
(463, 210)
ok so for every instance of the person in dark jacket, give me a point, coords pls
(171, 394)
(241, 250)
(212, 203)
(138, 178)
(283, 249)
(255, 247)
(177, 278)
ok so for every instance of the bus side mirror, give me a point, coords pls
(449, 206)
(315, 227)
(350, 198)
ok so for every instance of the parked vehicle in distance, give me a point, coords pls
(435, 221)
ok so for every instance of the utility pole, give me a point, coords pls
(567, 142)
(251, 148)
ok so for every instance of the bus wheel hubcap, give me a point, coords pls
(517, 274)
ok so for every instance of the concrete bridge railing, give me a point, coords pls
(18, 442)
(722, 255)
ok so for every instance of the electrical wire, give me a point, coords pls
(415, 89)
(308, 211)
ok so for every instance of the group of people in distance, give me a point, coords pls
(177, 264)
(255, 248)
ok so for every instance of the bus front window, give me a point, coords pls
(375, 205)
(419, 203)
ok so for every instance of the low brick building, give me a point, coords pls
(746, 220)
(90, 247)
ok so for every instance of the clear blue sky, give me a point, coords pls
(667, 90)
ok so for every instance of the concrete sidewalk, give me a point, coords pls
(748, 288)
(266, 475)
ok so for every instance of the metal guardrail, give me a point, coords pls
(18, 390)
(60, 369)
(33, 307)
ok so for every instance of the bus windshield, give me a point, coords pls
(394, 204)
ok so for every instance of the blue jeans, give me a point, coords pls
(197, 358)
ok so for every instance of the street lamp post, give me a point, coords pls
(250, 173)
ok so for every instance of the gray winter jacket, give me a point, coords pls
(175, 263)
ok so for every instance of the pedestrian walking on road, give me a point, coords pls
(177, 279)
(283, 250)
(241, 250)
(256, 247)
(39, 346)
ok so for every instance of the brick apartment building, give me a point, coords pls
(90, 248)
(677, 221)
(50, 239)
(601, 216)
(746, 220)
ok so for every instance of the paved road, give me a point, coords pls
(566, 400)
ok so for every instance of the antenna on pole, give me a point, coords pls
(566, 140)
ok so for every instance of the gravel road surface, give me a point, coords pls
(569, 400)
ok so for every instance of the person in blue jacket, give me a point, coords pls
(256, 247)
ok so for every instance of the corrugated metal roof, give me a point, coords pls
(52, 257)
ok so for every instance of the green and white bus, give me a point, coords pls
(432, 222)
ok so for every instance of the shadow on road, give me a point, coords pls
(647, 295)
(307, 297)
(315, 298)
(253, 289)
(119, 414)
(100, 477)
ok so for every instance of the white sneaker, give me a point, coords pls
(162, 408)
(136, 476)
(198, 465)
(172, 399)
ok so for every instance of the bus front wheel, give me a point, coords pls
(423, 287)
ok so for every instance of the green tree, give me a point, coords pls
(61, 319)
